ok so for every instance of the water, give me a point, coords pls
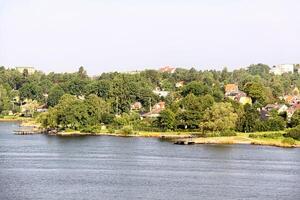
(38, 167)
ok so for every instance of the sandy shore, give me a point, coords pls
(238, 140)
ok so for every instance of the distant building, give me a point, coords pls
(168, 69)
(155, 110)
(30, 70)
(297, 68)
(291, 99)
(231, 88)
(281, 69)
(160, 93)
(291, 110)
(232, 92)
(245, 100)
(29, 107)
(179, 84)
(136, 106)
(132, 72)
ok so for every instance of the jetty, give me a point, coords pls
(27, 132)
(188, 141)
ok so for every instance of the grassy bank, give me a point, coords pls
(14, 119)
(243, 138)
(240, 138)
(274, 138)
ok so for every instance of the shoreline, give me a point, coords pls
(175, 137)
(186, 139)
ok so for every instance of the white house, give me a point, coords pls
(160, 93)
(30, 70)
(281, 69)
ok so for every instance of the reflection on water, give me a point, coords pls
(49, 167)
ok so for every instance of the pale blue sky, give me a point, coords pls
(61, 35)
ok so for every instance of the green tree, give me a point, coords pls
(54, 96)
(259, 69)
(256, 91)
(31, 91)
(97, 109)
(4, 100)
(195, 88)
(295, 119)
(247, 123)
(219, 117)
(166, 119)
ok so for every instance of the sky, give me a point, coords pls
(126, 35)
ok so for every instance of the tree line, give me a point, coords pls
(80, 102)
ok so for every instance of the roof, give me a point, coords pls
(231, 87)
(156, 109)
(168, 69)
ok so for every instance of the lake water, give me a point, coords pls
(39, 167)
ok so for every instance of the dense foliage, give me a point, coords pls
(79, 102)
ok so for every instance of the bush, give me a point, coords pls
(91, 129)
(126, 130)
(272, 124)
(212, 134)
(252, 135)
(273, 135)
(289, 141)
(294, 133)
(111, 130)
(228, 133)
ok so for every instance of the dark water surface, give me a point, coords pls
(51, 168)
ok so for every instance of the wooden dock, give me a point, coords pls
(26, 132)
(188, 141)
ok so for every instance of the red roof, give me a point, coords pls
(168, 69)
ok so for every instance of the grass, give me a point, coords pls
(261, 138)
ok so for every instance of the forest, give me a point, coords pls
(154, 100)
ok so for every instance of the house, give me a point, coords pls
(136, 106)
(270, 107)
(291, 99)
(245, 100)
(265, 111)
(231, 88)
(281, 69)
(160, 93)
(42, 108)
(232, 92)
(29, 107)
(179, 84)
(291, 110)
(30, 70)
(155, 110)
(168, 69)
(282, 108)
(160, 105)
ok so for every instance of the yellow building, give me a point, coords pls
(30, 70)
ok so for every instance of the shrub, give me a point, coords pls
(228, 133)
(91, 129)
(126, 130)
(294, 133)
(212, 134)
(111, 130)
(252, 135)
(289, 141)
(273, 135)
(272, 124)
